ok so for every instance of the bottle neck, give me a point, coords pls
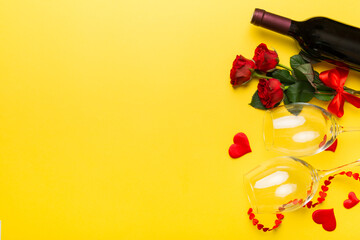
(271, 21)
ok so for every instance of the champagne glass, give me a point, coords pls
(284, 184)
(300, 129)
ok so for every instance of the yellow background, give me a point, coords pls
(116, 117)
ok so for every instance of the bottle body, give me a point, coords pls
(322, 38)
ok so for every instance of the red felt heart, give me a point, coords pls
(240, 147)
(251, 217)
(322, 194)
(280, 216)
(324, 188)
(327, 182)
(349, 173)
(265, 229)
(356, 176)
(260, 226)
(326, 217)
(352, 201)
(255, 221)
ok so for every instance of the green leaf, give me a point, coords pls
(324, 96)
(301, 91)
(317, 78)
(295, 110)
(286, 100)
(256, 103)
(324, 88)
(304, 72)
(296, 61)
(284, 77)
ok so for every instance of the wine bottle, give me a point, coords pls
(321, 38)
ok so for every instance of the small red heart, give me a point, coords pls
(309, 204)
(332, 146)
(280, 216)
(265, 229)
(320, 200)
(322, 194)
(260, 226)
(278, 222)
(330, 178)
(250, 210)
(326, 217)
(356, 176)
(352, 201)
(255, 221)
(327, 182)
(349, 174)
(324, 188)
(240, 147)
(251, 217)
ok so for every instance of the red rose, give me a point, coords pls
(265, 59)
(270, 92)
(241, 70)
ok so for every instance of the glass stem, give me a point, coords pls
(349, 129)
(346, 167)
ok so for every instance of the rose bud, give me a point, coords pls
(241, 70)
(270, 92)
(265, 59)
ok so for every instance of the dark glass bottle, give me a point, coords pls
(320, 37)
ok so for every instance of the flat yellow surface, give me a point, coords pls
(116, 117)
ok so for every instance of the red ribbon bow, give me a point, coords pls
(335, 78)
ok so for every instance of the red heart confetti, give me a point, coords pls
(324, 188)
(332, 146)
(280, 216)
(260, 226)
(251, 217)
(356, 176)
(250, 210)
(349, 174)
(322, 194)
(255, 221)
(320, 200)
(326, 218)
(352, 201)
(240, 147)
(278, 222)
(327, 182)
(265, 229)
(330, 178)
